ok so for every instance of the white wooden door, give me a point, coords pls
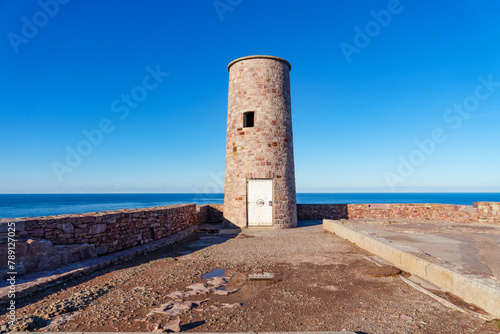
(260, 202)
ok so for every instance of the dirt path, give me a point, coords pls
(318, 285)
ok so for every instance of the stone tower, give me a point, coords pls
(260, 172)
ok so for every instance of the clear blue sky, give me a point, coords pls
(366, 88)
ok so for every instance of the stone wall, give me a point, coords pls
(215, 213)
(45, 243)
(210, 213)
(486, 212)
(321, 211)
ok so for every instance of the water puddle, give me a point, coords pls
(215, 273)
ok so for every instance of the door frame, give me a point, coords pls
(272, 199)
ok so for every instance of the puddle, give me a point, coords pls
(215, 273)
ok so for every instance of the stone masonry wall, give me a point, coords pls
(210, 213)
(45, 243)
(486, 212)
(321, 211)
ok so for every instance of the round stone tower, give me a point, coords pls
(260, 172)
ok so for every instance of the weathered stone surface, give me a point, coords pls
(36, 247)
(68, 228)
(174, 326)
(260, 84)
(176, 307)
(49, 262)
(161, 222)
(321, 211)
(97, 229)
(97, 233)
(39, 232)
(225, 292)
(480, 211)
(18, 226)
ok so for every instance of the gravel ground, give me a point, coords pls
(319, 284)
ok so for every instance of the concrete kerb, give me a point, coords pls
(28, 284)
(473, 289)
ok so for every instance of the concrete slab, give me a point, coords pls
(463, 259)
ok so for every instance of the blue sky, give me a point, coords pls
(386, 95)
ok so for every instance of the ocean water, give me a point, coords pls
(36, 205)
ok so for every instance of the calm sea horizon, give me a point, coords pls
(38, 205)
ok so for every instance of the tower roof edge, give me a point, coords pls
(259, 56)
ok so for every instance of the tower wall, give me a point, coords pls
(260, 84)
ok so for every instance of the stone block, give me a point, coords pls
(89, 219)
(49, 262)
(38, 246)
(37, 233)
(21, 249)
(3, 256)
(101, 250)
(68, 228)
(87, 251)
(97, 228)
(19, 226)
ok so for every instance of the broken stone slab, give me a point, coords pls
(176, 295)
(217, 281)
(196, 286)
(175, 308)
(171, 326)
(158, 328)
(225, 292)
(198, 289)
(174, 326)
(228, 305)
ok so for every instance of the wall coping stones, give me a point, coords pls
(105, 214)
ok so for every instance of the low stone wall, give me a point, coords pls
(44, 243)
(485, 212)
(215, 213)
(321, 211)
(210, 213)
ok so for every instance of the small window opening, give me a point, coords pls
(248, 119)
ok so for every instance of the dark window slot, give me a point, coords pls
(248, 119)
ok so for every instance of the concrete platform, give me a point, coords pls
(463, 259)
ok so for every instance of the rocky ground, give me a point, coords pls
(319, 282)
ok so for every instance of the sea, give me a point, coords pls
(37, 205)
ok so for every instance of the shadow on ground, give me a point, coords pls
(208, 235)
